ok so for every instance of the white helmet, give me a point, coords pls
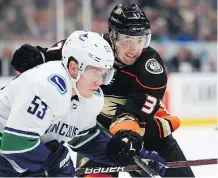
(89, 48)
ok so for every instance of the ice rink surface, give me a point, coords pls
(200, 142)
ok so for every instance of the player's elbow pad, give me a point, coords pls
(175, 121)
(167, 124)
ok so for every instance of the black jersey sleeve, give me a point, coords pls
(54, 53)
(27, 56)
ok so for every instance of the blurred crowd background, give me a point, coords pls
(184, 32)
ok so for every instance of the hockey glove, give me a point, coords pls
(123, 145)
(27, 57)
(59, 164)
(154, 161)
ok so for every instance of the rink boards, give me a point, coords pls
(193, 97)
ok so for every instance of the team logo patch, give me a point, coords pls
(118, 11)
(153, 66)
(59, 82)
(83, 36)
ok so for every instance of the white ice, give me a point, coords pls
(199, 142)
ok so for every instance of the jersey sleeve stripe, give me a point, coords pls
(11, 143)
(27, 153)
(142, 124)
(159, 128)
(144, 86)
(173, 121)
(82, 140)
(166, 129)
(21, 132)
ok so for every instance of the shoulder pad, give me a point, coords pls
(59, 82)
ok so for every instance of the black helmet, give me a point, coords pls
(128, 20)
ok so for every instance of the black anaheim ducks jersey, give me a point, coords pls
(135, 90)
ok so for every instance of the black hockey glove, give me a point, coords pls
(26, 57)
(123, 145)
(59, 163)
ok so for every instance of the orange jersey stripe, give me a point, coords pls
(161, 112)
(144, 86)
(125, 125)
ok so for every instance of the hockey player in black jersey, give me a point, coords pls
(133, 100)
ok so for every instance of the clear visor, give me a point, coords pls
(131, 42)
(94, 74)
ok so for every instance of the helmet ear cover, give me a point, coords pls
(114, 35)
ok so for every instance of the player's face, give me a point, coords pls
(129, 48)
(90, 81)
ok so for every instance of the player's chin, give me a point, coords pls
(130, 62)
(88, 94)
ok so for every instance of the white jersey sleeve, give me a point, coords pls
(32, 102)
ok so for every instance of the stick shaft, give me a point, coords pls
(200, 162)
(129, 168)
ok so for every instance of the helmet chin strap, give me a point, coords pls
(117, 60)
(74, 81)
(148, 40)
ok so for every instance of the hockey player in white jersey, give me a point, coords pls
(52, 104)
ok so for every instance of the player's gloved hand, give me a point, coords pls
(26, 57)
(59, 163)
(154, 160)
(123, 145)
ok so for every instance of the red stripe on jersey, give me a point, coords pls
(159, 128)
(142, 124)
(144, 86)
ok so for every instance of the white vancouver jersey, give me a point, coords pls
(40, 101)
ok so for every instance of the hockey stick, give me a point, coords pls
(176, 164)
(137, 160)
(199, 162)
